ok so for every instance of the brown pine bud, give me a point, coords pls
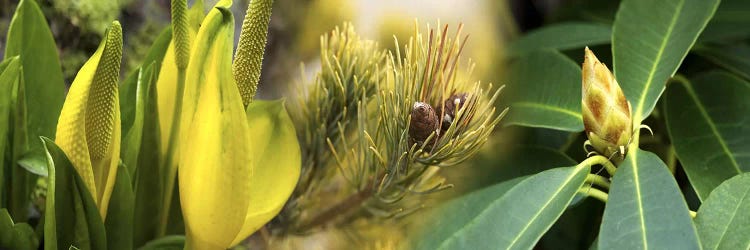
(606, 112)
(424, 121)
(452, 105)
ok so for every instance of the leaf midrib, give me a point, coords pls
(734, 215)
(657, 60)
(550, 107)
(639, 200)
(484, 210)
(546, 204)
(714, 130)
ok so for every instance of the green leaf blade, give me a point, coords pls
(128, 88)
(9, 75)
(494, 219)
(131, 143)
(734, 58)
(72, 216)
(649, 41)
(30, 38)
(562, 36)
(723, 221)
(119, 222)
(545, 91)
(645, 209)
(707, 123)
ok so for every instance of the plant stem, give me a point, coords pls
(600, 160)
(346, 205)
(170, 164)
(594, 193)
(181, 41)
(671, 159)
(597, 180)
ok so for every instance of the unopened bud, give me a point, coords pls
(606, 112)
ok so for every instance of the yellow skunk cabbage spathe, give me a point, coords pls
(237, 166)
(88, 130)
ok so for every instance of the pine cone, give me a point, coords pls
(424, 121)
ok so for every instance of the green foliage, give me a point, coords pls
(723, 220)
(73, 218)
(30, 38)
(533, 103)
(119, 221)
(643, 61)
(645, 209)
(734, 58)
(90, 15)
(36, 101)
(524, 212)
(699, 129)
(708, 129)
(562, 36)
(16, 235)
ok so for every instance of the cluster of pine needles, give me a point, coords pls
(357, 123)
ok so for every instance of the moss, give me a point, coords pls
(90, 15)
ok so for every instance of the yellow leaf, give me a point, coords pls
(88, 130)
(215, 163)
(277, 165)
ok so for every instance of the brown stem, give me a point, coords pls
(353, 201)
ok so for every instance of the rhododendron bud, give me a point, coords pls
(606, 112)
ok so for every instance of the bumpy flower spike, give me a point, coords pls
(88, 130)
(606, 112)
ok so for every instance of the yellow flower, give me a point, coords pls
(88, 130)
(237, 166)
(606, 112)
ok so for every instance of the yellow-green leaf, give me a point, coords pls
(215, 163)
(88, 130)
(277, 165)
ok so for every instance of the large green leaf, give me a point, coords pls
(561, 37)
(496, 166)
(129, 87)
(72, 218)
(576, 228)
(8, 82)
(649, 41)
(726, 23)
(16, 235)
(707, 122)
(148, 177)
(141, 144)
(723, 221)
(172, 242)
(733, 58)
(545, 91)
(30, 37)
(131, 143)
(119, 222)
(494, 219)
(645, 209)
